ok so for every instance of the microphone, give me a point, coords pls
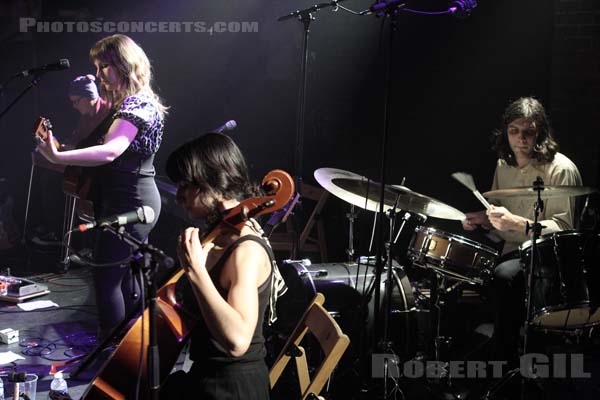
(305, 262)
(462, 8)
(226, 127)
(144, 215)
(381, 6)
(59, 65)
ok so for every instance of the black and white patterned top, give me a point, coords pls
(142, 112)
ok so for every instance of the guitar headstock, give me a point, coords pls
(41, 128)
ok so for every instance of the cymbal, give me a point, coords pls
(546, 193)
(365, 193)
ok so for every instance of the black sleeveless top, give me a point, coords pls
(204, 348)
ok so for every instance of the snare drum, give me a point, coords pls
(565, 285)
(453, 255)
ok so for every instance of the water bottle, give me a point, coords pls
(58, 388)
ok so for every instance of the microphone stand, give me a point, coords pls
(305, 17)
(379, 264)
(34, 82)
(152, 258)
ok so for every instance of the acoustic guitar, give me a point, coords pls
(118, 377)
(75, 182)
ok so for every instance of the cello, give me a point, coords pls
(118, 377)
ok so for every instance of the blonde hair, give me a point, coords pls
(131, 64)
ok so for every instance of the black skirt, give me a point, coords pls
(236, 381)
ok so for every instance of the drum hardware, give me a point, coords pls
(440, 289)
(351, 218)
(319, 273)
(389, 200)
(536, 230)
(391, 214)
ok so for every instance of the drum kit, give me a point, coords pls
(563, 287)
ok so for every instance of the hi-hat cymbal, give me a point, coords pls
(365, 193)
(546, 193)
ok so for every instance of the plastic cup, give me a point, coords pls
(26, 389)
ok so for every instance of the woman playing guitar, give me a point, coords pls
(118, 157)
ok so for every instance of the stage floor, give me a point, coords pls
(60, 333)
(56, 333)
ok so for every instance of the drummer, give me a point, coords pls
(526, 149)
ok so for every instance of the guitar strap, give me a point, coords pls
(96, 137)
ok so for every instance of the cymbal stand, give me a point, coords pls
(536, 230)
(386, 344)
(438, 284)
(351, 218)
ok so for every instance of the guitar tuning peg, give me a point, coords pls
(244, 212)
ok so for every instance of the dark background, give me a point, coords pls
(451, 80)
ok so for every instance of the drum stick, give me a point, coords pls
(482, 199)
(469, 183)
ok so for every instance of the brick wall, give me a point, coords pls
(575, 83)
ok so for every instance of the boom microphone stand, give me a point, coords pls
(305, 17)
(379, 265)
(34, 82)
(152, 258)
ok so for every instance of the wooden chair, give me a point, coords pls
(283, 239)
(333, 343)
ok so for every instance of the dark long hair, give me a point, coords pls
(214, 164)
(526, 107)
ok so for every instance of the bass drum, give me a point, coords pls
(349, 299)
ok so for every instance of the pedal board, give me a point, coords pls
(16, 290)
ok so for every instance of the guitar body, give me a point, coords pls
(76, 182)
(118, 377)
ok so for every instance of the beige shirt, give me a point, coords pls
(558, 213)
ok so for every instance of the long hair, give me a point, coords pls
(526, 107)
(214, 164)
(132, 65)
